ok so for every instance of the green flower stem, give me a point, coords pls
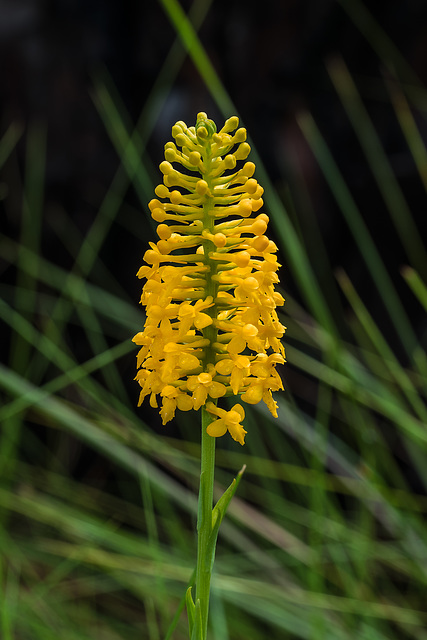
(207, 465)
(204, 521)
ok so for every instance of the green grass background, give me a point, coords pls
(327, 538)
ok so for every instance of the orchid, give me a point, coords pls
(211, 328)
(209, 291)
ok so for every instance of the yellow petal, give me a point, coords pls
(238, 433)
(167, 412)
(236, 345)
(184, 402)
(236, 380)
(187, 361)
(212, 408)
(217, 428)
(249, 331)
(192, 383)
(216, 390)
(271, 404)
(186, 310)
(242, 362)
(204, 378)
(199, 396)
(169, 391)
(240, 410)
(202, 320)
(260, 370)
(253, 395)
(224, 367)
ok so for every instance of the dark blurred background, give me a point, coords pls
(271, 60)
(61, 199)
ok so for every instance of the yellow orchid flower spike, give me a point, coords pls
(212, 329)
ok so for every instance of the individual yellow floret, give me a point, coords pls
(227, 421)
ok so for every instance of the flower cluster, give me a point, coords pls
(211, 328)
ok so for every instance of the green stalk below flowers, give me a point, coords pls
(208, 523)
(205, 555)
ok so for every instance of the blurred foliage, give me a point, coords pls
(327, 537)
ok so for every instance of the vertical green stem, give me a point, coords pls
(207, 468)
(204, 521)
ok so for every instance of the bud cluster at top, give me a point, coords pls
(211, 328)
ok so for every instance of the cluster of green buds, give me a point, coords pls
(211, 326)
